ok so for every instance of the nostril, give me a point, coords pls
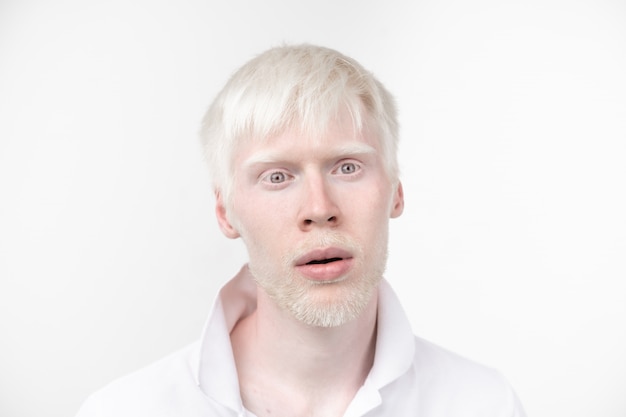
(308, 222)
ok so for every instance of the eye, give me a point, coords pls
(277, 177)
(348, 168)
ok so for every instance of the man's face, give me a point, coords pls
(314, 214)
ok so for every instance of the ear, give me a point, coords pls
(222, 217)
(398, 202)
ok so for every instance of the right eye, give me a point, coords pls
(277, 177)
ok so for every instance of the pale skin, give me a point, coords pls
(291, 191)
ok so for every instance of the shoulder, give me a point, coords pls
(450, 384)
(155, 390)
(441, 363)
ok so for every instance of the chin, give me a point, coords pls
(321, 303)
(332, 305)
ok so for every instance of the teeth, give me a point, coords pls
(323, 261)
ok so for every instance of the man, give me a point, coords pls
(302, 147)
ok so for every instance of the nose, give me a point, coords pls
(319, 207)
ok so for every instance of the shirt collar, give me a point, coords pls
(217, 375)
(395, 344)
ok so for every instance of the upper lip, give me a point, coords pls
(323, 254)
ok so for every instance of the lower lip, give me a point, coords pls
(326, 272)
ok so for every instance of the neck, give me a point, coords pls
(300, 368)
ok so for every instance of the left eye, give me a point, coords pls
(348, 168)
(277, 177)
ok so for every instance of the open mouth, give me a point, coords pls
(323, 261)
(325, 265)
(323, 256)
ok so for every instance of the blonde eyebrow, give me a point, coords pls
(270, 157)
(354, 149)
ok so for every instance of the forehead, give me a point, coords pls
(339, 139)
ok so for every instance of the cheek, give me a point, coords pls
(249, 209)
(261, 227)
(375, 202)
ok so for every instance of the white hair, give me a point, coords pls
(302, 87)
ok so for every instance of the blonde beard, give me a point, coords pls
(322, 304)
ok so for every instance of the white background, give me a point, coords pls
(511, 250)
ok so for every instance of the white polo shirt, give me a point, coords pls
(410, 376)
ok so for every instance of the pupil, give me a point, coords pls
(277, 177)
